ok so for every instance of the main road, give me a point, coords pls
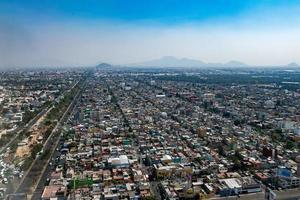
(29, 182)
(40, 184)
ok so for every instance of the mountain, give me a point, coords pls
(234, 63)
(292, 64)
(104, 66)
(170, 61)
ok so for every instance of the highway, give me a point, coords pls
(31, 179)
(27, 126)
(40, 184)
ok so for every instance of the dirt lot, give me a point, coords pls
(37, 130)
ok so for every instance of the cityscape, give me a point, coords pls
(110, 133)
(149, 100)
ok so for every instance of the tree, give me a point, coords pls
(148, 198)
(290, 144)
(28, 115)
(36, 148)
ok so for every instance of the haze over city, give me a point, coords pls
(83, 33)
(149, 99)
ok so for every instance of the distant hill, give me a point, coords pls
(104, 66)
(173, 62)
(170, 61)
(235, 63)
(293, 65)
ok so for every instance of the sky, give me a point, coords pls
(88, 32)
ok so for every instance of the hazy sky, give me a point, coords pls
(86, 32)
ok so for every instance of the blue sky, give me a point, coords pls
(77, 32)
(162, 11)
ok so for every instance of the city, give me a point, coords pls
(149, 100)
(100, 133)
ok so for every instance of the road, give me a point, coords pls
(26, 127)
(153, 184)
(11, 187)
(290, 194)
(13, 183)
(155, 190)
(39, 187)
(38, 167)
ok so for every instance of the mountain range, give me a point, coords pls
(170, 61)
(173, 62)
